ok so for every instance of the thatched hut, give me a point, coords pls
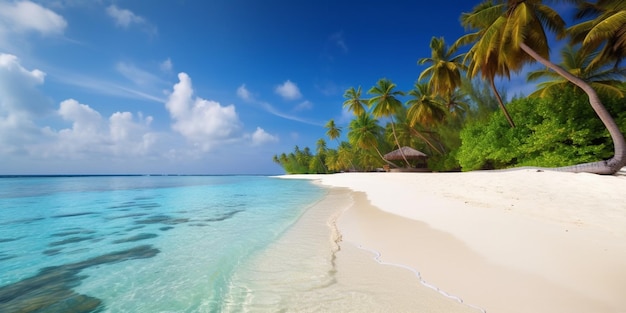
(410, 154)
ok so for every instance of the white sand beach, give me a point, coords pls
(502, 241)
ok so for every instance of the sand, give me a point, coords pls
(500, 241)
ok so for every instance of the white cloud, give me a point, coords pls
(18, 88)
(11, 62)
(130, 136)
(16, 131)
(203, 122)
(243, 93)
(124, 18)
(89, 136)
(260, 136)
(84, 119)
(24, 16)
(166, 66)
(92, 136)
(288, 90)
(20, 102)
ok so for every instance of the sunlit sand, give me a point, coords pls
(505, 241)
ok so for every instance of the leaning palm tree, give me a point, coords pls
(607, 30)
(365, 133)
(407, 133)
(354, 102)
(444, 72)
(425, 110)
(580, 64)
(520, 33)
(487, 56)
(385, 103)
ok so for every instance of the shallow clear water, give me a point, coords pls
(137, 243)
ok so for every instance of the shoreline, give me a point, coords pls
(515, 241)
(310, 269)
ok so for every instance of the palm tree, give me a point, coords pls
(487, 56)
(320, 146)
(606, 30)
(404, 131)
(385, 104)
(354, 102)
(285, 162)
(407, 133)
(320, 149)
(424, 109)
(519, 32)
(332, 130)
(456, 103)
(580, 64)
(365, 133)
(444, 72)
(345, 155)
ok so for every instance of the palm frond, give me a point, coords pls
(551, 20)
(609, 88)
(606, 28)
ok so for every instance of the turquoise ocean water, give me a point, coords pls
(137, 243)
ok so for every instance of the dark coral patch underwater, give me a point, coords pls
(162, 219)
(139, 237)
(69, 240)
(51, 289)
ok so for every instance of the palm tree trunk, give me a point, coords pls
(393, 130)
(504, 110)
(383, 158)
(419, 134)
(606, 167)
(322, 162)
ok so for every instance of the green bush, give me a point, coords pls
(559, 130)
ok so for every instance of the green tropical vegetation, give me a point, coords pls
(458, 116)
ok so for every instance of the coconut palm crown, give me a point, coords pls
(604, 80)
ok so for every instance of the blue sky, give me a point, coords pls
(195, 87)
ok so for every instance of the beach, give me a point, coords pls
(494, 241)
